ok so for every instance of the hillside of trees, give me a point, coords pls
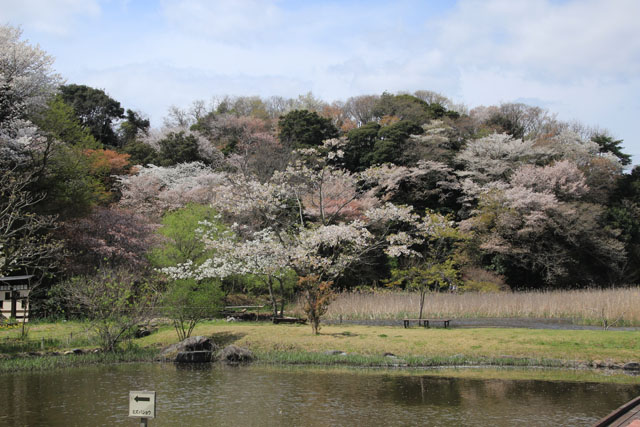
(282, 197)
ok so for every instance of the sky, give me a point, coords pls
(579, 59)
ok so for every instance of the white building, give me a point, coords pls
(14, 293)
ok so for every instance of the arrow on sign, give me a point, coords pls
(141, 399)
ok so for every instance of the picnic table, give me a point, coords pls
(425, 322)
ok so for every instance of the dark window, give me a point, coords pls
(7, 295)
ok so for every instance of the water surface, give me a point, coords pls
(281, 396)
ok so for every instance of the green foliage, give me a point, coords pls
(132, 126)
(373, 144)
(141, 153)
(303, 128)
(70, 188)
(361, 142)
(187, 302)
(609, 145)
(182, 242)
(177, 148)
(94, 109)
(60, 121)
(409, 107)
(391, 142)
(623, 214)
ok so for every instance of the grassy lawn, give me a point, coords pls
(415, 343)
(365, 345)
(566, 345)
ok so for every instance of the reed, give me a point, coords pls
(603, 307)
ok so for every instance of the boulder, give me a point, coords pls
(192, 344)
(235, 354)
(631, 366)
(194, 357)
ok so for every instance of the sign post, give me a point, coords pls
(142, 404)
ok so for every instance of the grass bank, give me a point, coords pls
(365, 346)
(48, 362)
(601, 307)
(374, 341)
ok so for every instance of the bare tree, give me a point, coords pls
(26, 244)
(113, 300)
(360, 108)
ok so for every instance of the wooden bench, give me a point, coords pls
(241, 311)
(425, 322)
(287, 319)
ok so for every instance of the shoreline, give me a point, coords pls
(598, 352)
(452, 367)
(458, 366)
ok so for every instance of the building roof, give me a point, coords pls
(14, 278)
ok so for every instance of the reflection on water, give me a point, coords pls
(267, 396)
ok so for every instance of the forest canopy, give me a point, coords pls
(278, 195)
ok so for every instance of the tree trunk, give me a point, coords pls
(281, 296)
(422, 295)
(315, 326)
(274, 303)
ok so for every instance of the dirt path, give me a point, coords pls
(493, 323)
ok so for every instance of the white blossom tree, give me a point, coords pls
(300, 222)
(27, 80)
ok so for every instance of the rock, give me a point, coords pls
(335, 353)
(631, 366)
(194, 357)
(231, 319)
(141, 333)
(386, 354)
(145, 330)
(235, 354)
(68, 352)
(598, 364)
(191, 344)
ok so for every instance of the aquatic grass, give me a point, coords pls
(48, 362)
(514, 373)
(596, 307)
(370, 361)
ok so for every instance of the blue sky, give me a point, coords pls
(580, 59)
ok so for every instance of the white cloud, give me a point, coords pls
(580, 58)
(235, 21)
(554, 41)
(48, 16)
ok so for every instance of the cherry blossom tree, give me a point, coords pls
(27, 80)
(296, 222)
(496, 156)
(111, 237)
(539, 227)
(154, 190)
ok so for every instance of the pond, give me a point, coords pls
(282, 396)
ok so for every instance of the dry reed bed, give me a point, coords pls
(591, 306)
